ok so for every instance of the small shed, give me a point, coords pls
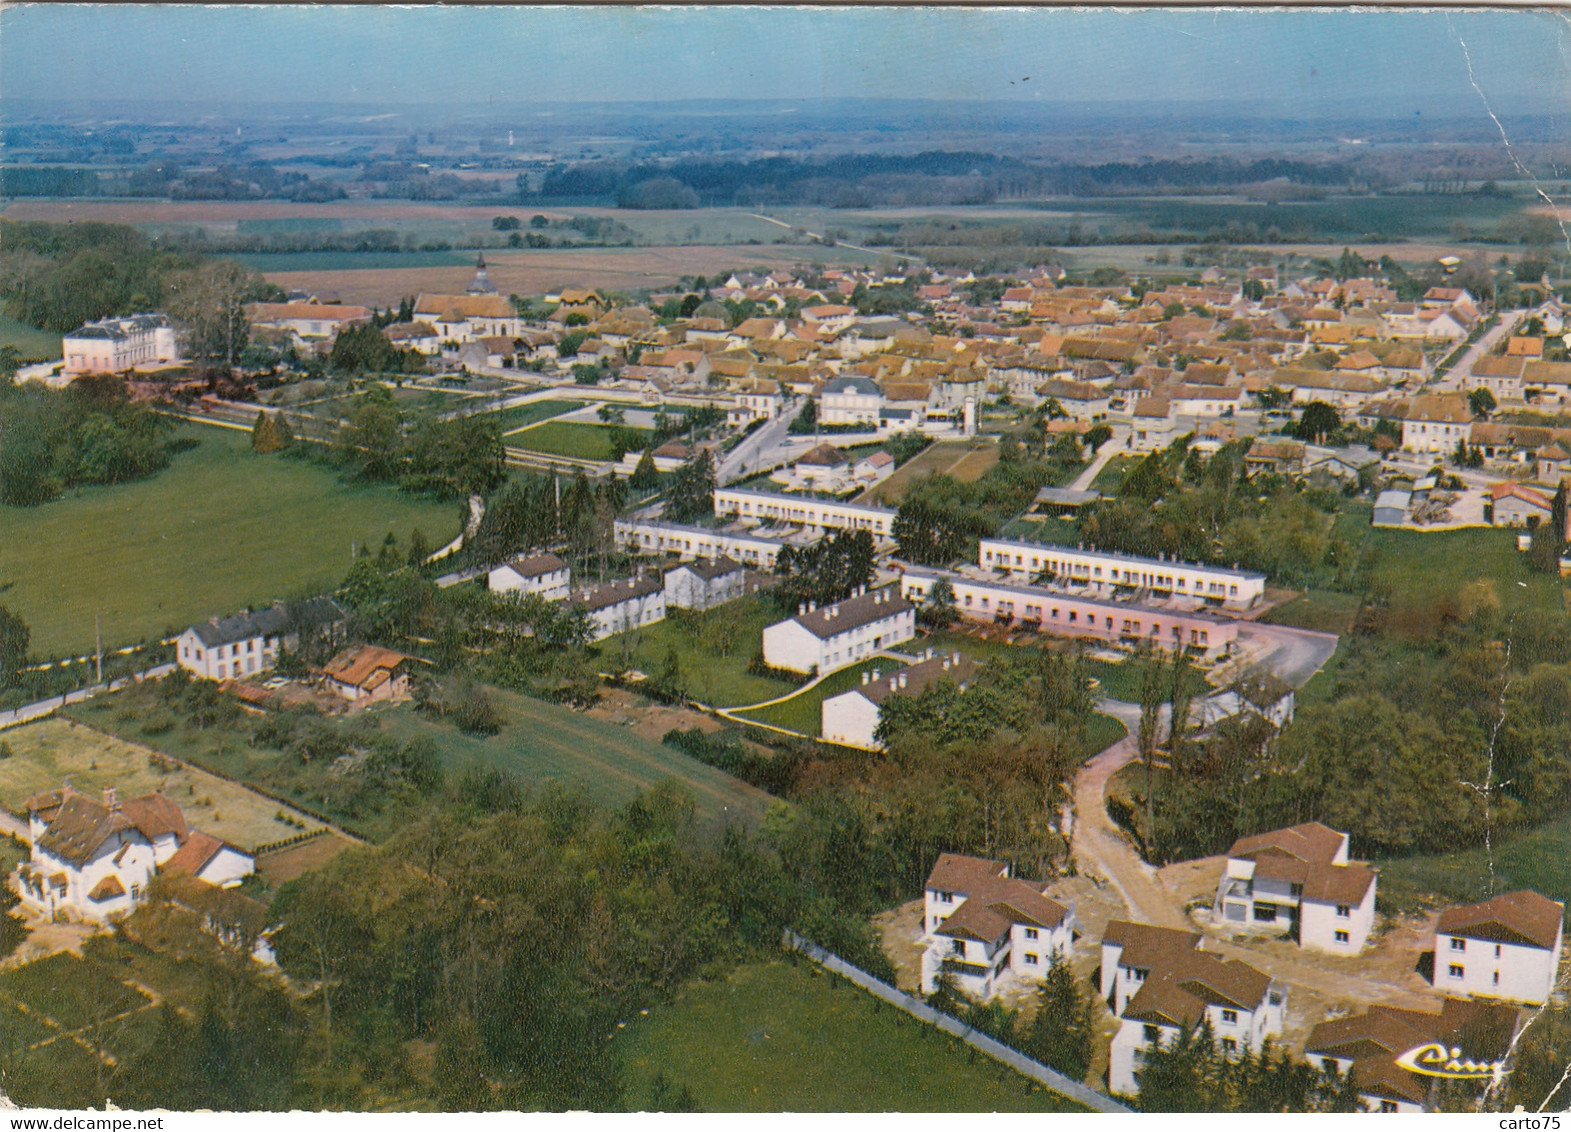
(1391, 508)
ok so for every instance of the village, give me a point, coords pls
(827, 394)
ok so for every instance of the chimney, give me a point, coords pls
(894, 683)
(834, 610)
(957, 657)
(876, 673)
(946, 664)
(902, 679)
(110, 801)
(929, 654)
(812, 606)
(864, 679)
(801, 608)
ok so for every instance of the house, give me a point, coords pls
(467, 318)
(874, 468)
(307, 324)
(1395, 1055)
(1080, 399)
(1271, 703)
(823, 638)
(1276, 456)
(114, 344)
(704, 584)
(542, 574)
(94, 859)
(231, 648)
(1152, 419)
(1299, 878)
(1430, 422)
(756, 399)
(1554, 464)
(850, 400)
(821, 465)
(1181, 985)
(617, 607)
(988, 929)
(652, 536)
(1042, 610)
(368, 674)
(1502, 376)
(1130, 951)
(852, 717)
(1517, 505)
(1104, 572)
(1506, 947)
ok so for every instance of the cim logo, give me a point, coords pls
(1435, 1059)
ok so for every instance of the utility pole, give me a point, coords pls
(98, 648)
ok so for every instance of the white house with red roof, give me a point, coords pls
(94, 859)
(1299, 877)
(1162, 981)
(1506, 947)
(988, 929)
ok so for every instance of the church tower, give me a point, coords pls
(482, 284)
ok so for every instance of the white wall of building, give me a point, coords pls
(1104, 572)
(1509, 971)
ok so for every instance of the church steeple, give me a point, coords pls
(482, 283)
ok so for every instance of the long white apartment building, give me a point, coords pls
(824, 514)
(1049, 611)
(1106, 573)
(652, 536)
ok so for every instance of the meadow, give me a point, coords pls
(803, 712)
(521, 416)
(1538, 858)
(786, 1036)
(574, 439)
(964, 460)
(45, 754)
(219, 529)
(33, 344)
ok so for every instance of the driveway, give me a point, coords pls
(1292, 655)
(1101, 849)
(1110, 448)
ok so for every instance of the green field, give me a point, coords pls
(788, 1037)
(35, 345)
(803, 712)
(73, 992)
(1323, 610)
(1113, 472)
(267, 262)
(576, 440)
(520, 415)
(1539, 859)
(720, 681)
(220, 528)
(46, 753)
(541, 743)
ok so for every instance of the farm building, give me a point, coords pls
(1391, 508)
(368, 674)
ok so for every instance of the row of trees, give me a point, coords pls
(447, 458)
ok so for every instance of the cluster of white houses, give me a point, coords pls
(995, 934)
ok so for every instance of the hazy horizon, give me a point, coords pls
(1313, 64)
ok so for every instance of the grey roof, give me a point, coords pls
(1393, 498)
(861, 385)
(1139, 559)
(709, 570)
(615, 593)
(1067, 496)
(842, 616)
(273, 621)
(536, 566)
(117, 328)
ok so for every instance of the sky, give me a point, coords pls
(1319, 61)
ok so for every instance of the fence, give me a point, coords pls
(1074, 1090)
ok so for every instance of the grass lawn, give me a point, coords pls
(575, 439)
(45, 753)
(72, 991)
(35, 345)
(783, 1037)
(965, 460)
(220, 528)
(1539, 859)
(542, 743)
(720, 681)
(1429, 570)
(1122, 681)
(1323, 610)
(803, 712)
(521, 415)
(1113, 472)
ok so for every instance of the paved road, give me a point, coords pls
(1109, 449)
(39, 710)
(1103, 850)
(1487, 342)
(1292, 655)
(744, 456)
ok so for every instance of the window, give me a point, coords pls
(957, 947)
(1455, 971)
(1030, 933)
(1342, 937)
(1266, 913)
(1343, 911)
(136, 894)
(1387, 1106)
(1229, 1045)
(1497, 978)
(947, 897)
(1152, 1034)
(1497, 951)
(1230, 1017)
(1031, 959)
(1458, 944)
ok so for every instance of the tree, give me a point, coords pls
(807, 420)
(1063, 1033)
(1149, 737)
(693, 491)
(265, 434)
(1319, 421)
(208, 304)
(1481, 401)
(645, 476)
(14, 639)
(938, 611)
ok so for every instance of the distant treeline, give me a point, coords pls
(864, 180)
(255, 180)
